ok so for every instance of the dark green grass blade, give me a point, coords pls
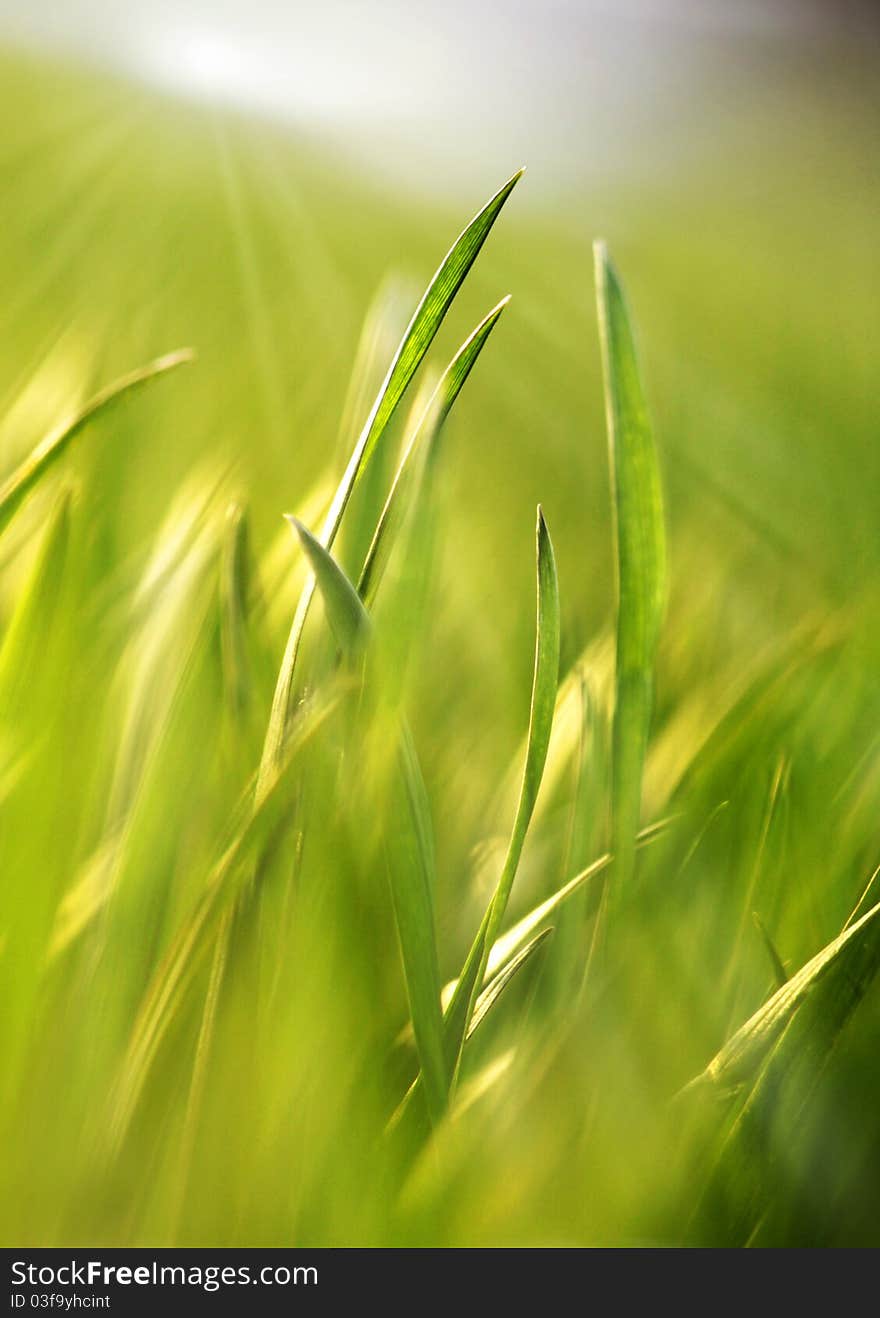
(18, 486)
(780, 974)
(640, 553)
(425, 323)
(411, 858)
(836, 977)
(432, 420)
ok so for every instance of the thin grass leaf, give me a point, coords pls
(510, 943)
(234, 590)
(410, 851)
(546, 674)
(780, 974)
(496, 986)
(839, 973)
(640, 556)
(424, 325)
(437, 410)
(18, 486)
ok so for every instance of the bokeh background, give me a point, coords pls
(258, 180)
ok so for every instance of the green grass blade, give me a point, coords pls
(510, 943)
(410, 851)
(425, 323)
(18, 486)
(346, 614)
(640, 553)
(496, 986)
(780, 974)
(544, 682)
(437, 410)
(838, 974)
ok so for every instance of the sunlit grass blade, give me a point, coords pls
(546, 673)
(410, 851)
(424, 325)
(19, 484)
(640, 556)
(498, 983)
(838, 975)
(437, 410)
(510, 943)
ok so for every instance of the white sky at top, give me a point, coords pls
(452, 82)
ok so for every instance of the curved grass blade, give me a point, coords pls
(496, 986)
(18, 486)
(510, 943)
(346, 614)
(425, 323)
(836, 977)
(546, 674)
(410, 852)
(437, 410)
(640, 555)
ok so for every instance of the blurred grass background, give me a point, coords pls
(135, 222)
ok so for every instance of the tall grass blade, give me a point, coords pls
(424, 325)
(640, 556)
(437, 410)
(546, 673)
(410, 851)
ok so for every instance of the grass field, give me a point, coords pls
(225, 919)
